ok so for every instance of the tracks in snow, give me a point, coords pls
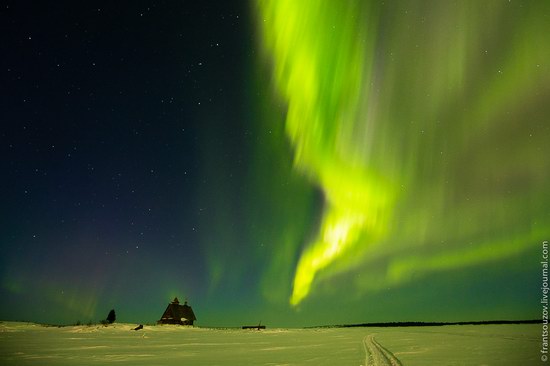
(376, 355)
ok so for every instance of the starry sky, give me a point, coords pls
(291, 162)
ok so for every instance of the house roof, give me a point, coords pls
(178, 312)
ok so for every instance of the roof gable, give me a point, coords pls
(177, 312)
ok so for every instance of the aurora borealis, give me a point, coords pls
(395, 112)
(275, 160)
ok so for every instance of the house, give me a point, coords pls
(178, 314)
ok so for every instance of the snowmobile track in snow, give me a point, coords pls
(376, 355)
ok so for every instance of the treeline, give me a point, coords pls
(431, 324)
(111, 318)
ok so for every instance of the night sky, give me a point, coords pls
(290, 162)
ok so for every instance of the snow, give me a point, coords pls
(32, 344)
(378, 355)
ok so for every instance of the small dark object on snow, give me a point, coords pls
(139, 327)
(258, 327)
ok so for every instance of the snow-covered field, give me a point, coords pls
(31, 344)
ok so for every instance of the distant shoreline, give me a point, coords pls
(429, 324)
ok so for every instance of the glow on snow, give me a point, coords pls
(384, 122)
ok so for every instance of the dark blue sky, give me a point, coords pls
(107, 109)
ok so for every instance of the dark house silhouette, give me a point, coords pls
(178, 314)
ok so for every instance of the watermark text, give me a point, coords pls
(544, 301)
